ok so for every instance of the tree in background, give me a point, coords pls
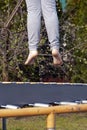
(75, 40)
(14, 49)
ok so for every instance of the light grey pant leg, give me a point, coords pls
(33, 23)
(51, 22)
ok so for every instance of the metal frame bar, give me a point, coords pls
(50, 111)
(4, 124)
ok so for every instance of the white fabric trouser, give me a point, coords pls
(35, 9)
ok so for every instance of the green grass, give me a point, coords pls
(63, 122)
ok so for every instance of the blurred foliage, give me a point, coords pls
(73, 47)
(76, 36)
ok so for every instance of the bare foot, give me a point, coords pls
(31, 58)
(57, 60)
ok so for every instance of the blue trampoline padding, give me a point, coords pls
(26, 93)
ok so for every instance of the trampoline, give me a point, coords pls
(41, 99)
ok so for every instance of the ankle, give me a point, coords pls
(55, 52)
(35, 53)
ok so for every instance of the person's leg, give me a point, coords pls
(52, 26)
(33, 27)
